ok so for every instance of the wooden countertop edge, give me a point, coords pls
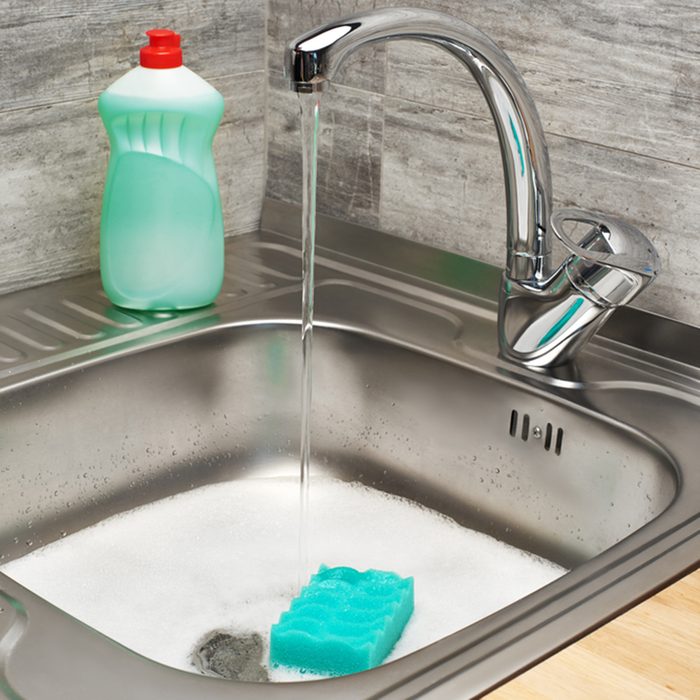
(651, 652)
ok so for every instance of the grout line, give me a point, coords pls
(550, 133)
(266, 103)
(618, 149)
(93, 96)
(381, 147)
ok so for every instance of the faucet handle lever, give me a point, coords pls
(610, 242)
(612, 263)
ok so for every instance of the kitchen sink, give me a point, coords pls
(592, 466)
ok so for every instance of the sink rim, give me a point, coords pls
(473, 660)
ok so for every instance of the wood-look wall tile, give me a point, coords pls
(618, 90)
(54, 162)
(239, 150)
(55, 50)
(658, 197)
(349, 151)
(442, 185)
(442, 180)
(625, 76)
(287, 19)
(645, 43)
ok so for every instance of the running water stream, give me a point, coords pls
(309, 106)
(176, 585)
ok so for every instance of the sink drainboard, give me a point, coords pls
(410, 399)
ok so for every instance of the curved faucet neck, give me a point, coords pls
(313, 59)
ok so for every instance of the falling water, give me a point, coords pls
(309, 105)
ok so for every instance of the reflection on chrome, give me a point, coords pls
(545, 315)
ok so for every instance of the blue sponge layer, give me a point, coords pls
(343, 621)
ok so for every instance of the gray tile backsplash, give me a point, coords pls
(617, 86)
(349, 152)
(406, 145)
(55, 59)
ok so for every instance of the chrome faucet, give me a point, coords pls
(545, 315)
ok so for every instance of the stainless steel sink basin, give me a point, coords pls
(594, 467)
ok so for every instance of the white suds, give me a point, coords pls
(158, 578)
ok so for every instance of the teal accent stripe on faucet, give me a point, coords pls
(517, 142)
(575, 306)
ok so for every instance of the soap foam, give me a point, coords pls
(159, 578)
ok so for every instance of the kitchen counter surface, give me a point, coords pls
(650, 652)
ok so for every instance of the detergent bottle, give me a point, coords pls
(162, 234)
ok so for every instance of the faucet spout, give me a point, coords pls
(313, 59)
(545, 315)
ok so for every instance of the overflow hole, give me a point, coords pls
(560, 439)
(513, 422)
(526, 427)
(524, 432)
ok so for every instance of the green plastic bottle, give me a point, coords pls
(162, 234)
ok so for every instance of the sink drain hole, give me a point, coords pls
(236, 657)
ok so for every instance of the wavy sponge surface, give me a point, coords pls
(343, 621)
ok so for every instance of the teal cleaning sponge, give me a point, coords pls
(343, 621)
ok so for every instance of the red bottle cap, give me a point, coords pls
(163, 51)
